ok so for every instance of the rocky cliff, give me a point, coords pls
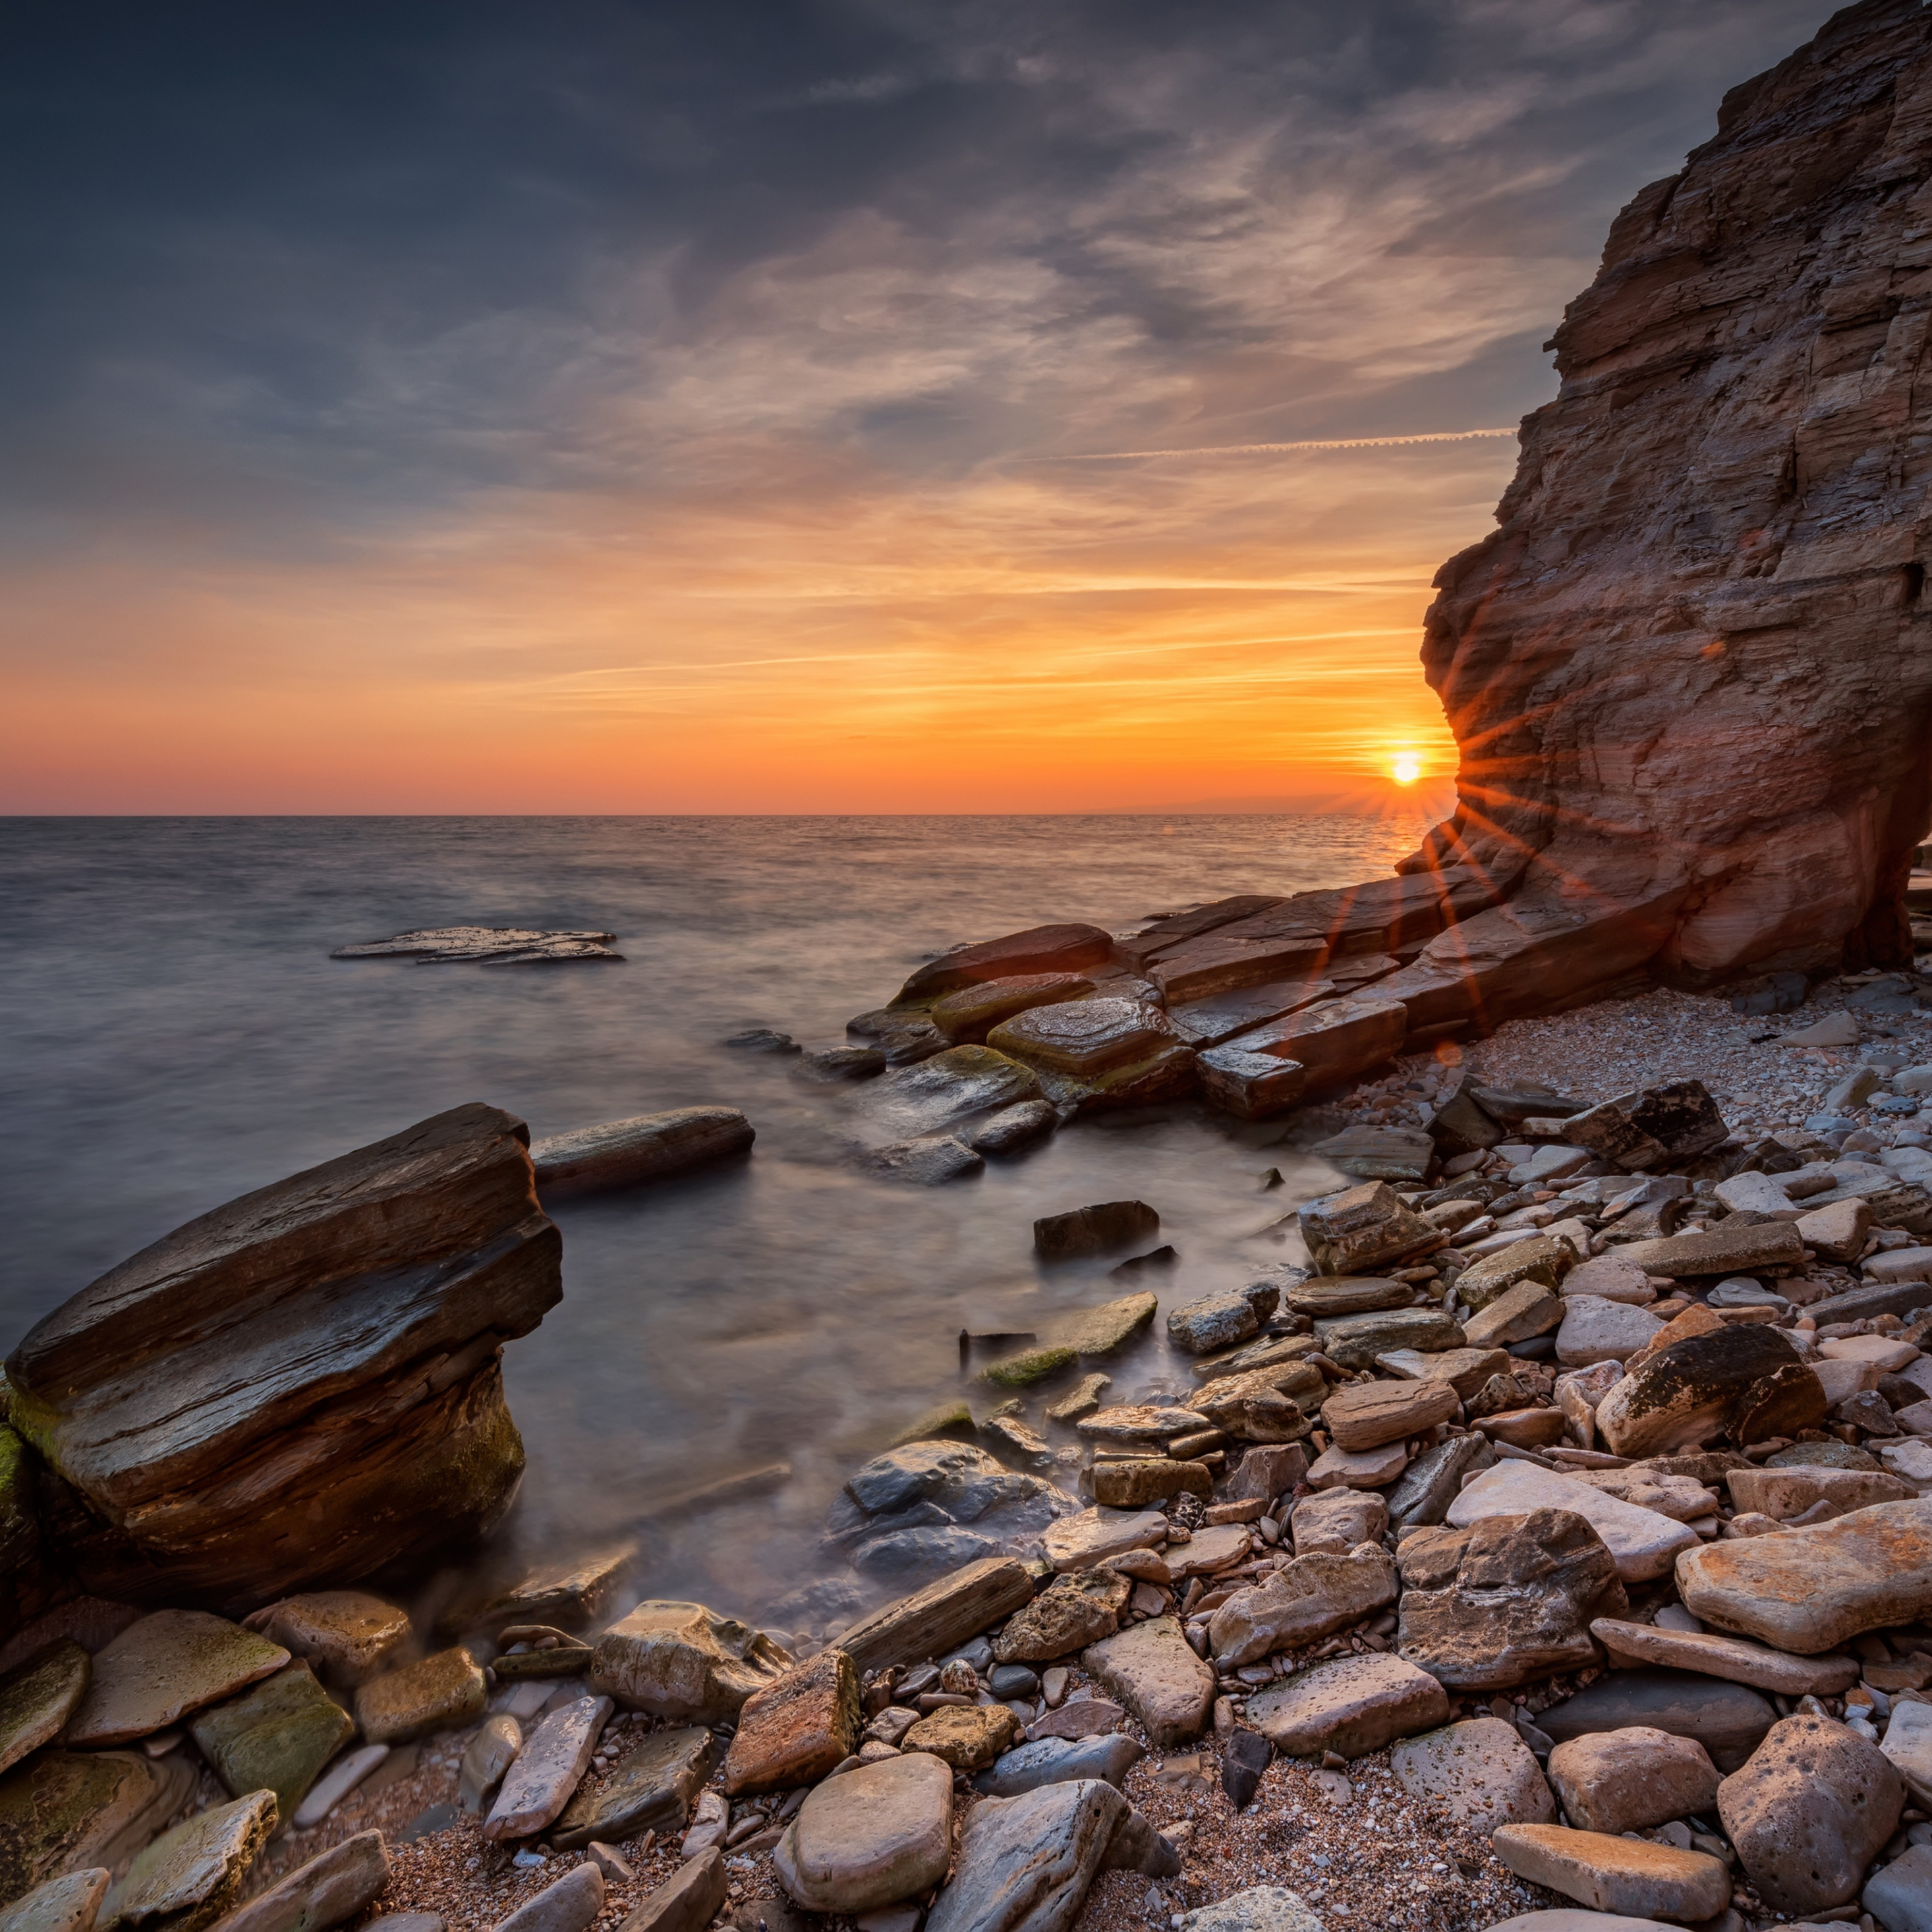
(1690, 672)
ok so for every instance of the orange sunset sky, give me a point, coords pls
(620, 411)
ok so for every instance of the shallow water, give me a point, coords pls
(178, 1035)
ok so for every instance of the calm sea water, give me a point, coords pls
(176, 1034)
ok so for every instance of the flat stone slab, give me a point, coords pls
(437, 1692)
(1355, 1341)
(1908, 1743)
(1616, 1874)
(1025, 1863)
(1152, 1668)
(1730, 1720)
(645, 1147)
(66, 1810)
(1729, 1657)
(37, 1697)
(329, 1890)
(1480, 1772)
(870, 1836)
(548, 1769)
(169, 1664)
(1358, 1468)
(1079, 1542)
(1642, 1543)
(1081, 1717)
(1365, 1415)
(1059, 1760)
(571, 1904)
(648, 1790)
(346, 1635)
(276, 1736)
(1464, 1370)
(339, 1780)
(191, 1876)
(1809, 1590)
(1350, 1705)
(69, 1903)
(486, 945)
(1791, 1491)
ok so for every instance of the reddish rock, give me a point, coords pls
(795, 1730)
(1040, 949)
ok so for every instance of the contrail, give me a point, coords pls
(1269, 448)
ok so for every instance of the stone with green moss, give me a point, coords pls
(1028, 1366)
(29, 1581)
(192, 1875)
(947, 1419)
(1108, 1329)
(38, 1696)
(64, 1811)
(276, 1736)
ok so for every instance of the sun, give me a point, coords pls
(1407, 769)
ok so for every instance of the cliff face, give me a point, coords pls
(1690, 673)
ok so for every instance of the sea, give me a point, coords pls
(176, 1034)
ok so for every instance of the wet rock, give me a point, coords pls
(1073, 1610)
(649, 1789)
(1251, 1086)
(1432, 1481)
(1025, 1864)
(1012, 1129)
(1153, 1670)
(1214, 1321)
(1641, 1544)
(1729, 1721)
(569, 1904)
(1729, 1657)
(548, 1769)
(1357, 1341)
(1108, 1329)
(1364, 1415)
(1542, 1259)
(951, 1086)
(1379, 1153)
(1618, 1781)
(1333, 1522)
(1312, 1598)
(1595, 1330)
(1809, 1590)
(65, 1811)
(158, 1670)
(1084, 1041)
(1693, 1392)
(1362, 1228)
(870, 1836)
(1264, 1908)
(1127, 1484)
(645, 1148)
(570, 1593)
(1621, 1875)
(191, 1876)
(276, 1736)
(684, 1661)
(843, 1063)
(928, 1162)
(1334, 1040)
(1059, 1761)
(1103, 1228)
(1510, 1599)
(70, 1904)
(303, 1384)
(688, 1901)
(1809, 1812)
(1350, 1705)
(328, 1890)
(1480, 1772)
(346, 1635)
(969, 1014)
(37, 1697)
(487, 945)
(1040, 949)
(437, 1693)
(933, 1621)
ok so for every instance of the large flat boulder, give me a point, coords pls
(1151, 1668)
(63, 1810)
(1728, 1720)
(1313, 1597)
(304, 1385)
(1350, 1705)
(193, 1874)
(1642, 1543)
(1743, 1380)
(38, 1696)
(276, 1736)
(163, 1668)
(1480, 1772)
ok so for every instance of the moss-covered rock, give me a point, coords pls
(62, 1810)
(276, 1736)
(192, 1875)
(37, 1697)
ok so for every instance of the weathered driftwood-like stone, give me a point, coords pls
(302, 1385)
(1689, 1394)
(940, 1617)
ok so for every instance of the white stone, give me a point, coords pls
(1842, 1378)
(1911, 1461)
(1267, 1908)
(1641, 1544)
(1595, 1329)
(1908, 1743)
(1756, 1194)
(336, 1783)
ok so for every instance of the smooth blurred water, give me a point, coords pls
(176, 1034)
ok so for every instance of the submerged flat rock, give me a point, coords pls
(485, 945)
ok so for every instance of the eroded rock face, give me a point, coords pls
(1688, 671)
(304, 1385)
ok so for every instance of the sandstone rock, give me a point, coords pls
(1128, 1483)
(1350, 1705)
(1622, 1875)
(1357, 1341)
(1333, 1522)
(1907, 1742)
(1612, 1278)
(436, 1693)
(68, 1810)
(1108, 1329)
(276, 1736)
(1214, 1321)
(1264, 1908)
(1641, 1544)
(568, 1904)
(797, 1729)
(951, 1086)
(1153, 1670)
(1207, 1022)
(1250, 1086)
(1322, 1296)
(967, 1014)
(1764, 1248)
(1465, 1370)
(1012, 1129)
(1078, 1542)
(347, 1635)
(569, 1593)
(687, 1901)
(1040, 949)
(1695, 1391)
(1809, 1811)
(1525, 1310)
(1059, 1761)
(646, 1147)
(329, 1890)
(930, 1160)
(1360, 1229)
(1661, 1125)
(1210, 1549)
(1358, 1468)
(1727, 1657)
(1333, 1040)
(1025, 1863)
(1619, 1781)
(1644, 1485)
(1596, 1330)
(1141, 1425)
(1081, 1037)
(1837, 1233)
(70, 1904)
(303, 1384)
(192, 1875)
(1431, 1483)
(1084, 1717)
(1729, 1721)
(1877, 1564)
(1364, 1415)
(1379, 1153)
(1073, 1610)
(37, 1697)
(1537, 1258)
(649, 1789)
(1784, 1493)
(967, 1737)
(548, 1769)
(1313, 1597)
(1265, 1472)
(1097, 1230)
(161, 1669)
(1510, 1599)
(1899, 1895)
(1480, 1772)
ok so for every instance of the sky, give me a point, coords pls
(880, 406)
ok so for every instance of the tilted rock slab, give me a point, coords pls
(70, 1904)
(303, 1385)
(646, 1147)
(191, 1876)
(1025, 1863)
(1312, 1598)
(1642, 1543)
(548, 1769)
(1727, 1657)
(1811, 1590)
(1613, 1874)
(1480, 1772)
(1153, 1671)
(1350, 1705)
(684, 1661)
(329, 1890)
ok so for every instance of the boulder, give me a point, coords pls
(1078, 1542)
(684, 1661)
(1362, 1227)
(1040, 949)
(949, 1088)
(1619, 1875)
(1085, 1049)
(930, 1160)
(570, 1593)
(1809, 1590)
(1012, 1129)
(346, 1635)
(1130, 1483)
(1907, 1742)
(1103, 1228)
(1642, 1544)
(1516, 1314)
(191, 1876)
(1074, 1610)
(1025, 1863)
(1350, 1705)
(1762, 1248)
(1364, 1415)
(967, 1737)
(650, 1788)
(967, 1015)
(304, 1384)
(1729, 1721)
(1312, 1598)
(1612, 1278)
(276, 1736)
(1619, 1781)
(1322, 1296)
(646, 1147)
(1510, 1599)
(1782, 1493)
(157, 1671)
(1333, 1522)
(797, 1729)
(69, 1903)
(328, 1890)
(1577, 1394)
(1480, 1772)
(437, 1693)
(38, 1697)
(1729, 1657)
(1153, 1670)
(1250, 1086)
(1265, 1472)
(1809, 1812)
(64, 1811)
(1108, 1329)
(1837, 1233)
(1694, 1391)
(1214, 1321)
